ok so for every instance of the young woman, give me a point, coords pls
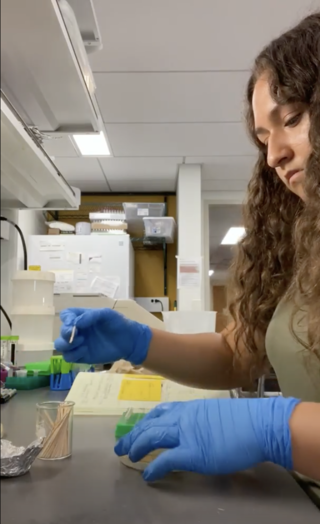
(276, 305)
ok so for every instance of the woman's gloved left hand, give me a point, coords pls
(216, 436)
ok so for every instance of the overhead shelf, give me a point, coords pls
(42, 73)
(29, 178)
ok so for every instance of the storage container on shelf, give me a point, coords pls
(83, 228)
(33, 324)
(108, 214)
(136, 211)
(32, 289)
(33, 315)
(108, 221)
(162, 227)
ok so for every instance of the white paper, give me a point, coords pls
(98, 394)
(55, 256)
(63, 287)
(74, 258)
(106, 286)
(95, 269)
(81, 276)
(51, 245)
(95, 258)
(64, 281)
(173, 392)
(189, 272)
(81, 281)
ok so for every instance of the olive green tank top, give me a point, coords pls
(297, 369)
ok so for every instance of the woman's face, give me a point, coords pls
(284, 130)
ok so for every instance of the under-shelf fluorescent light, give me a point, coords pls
(92, 145)
(211, 272)
(234, 235)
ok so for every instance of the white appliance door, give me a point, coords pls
(85, 264)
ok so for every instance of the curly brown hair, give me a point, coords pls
(280, 255)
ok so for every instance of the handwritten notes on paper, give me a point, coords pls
(111, 393)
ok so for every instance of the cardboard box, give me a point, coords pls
(53, 231)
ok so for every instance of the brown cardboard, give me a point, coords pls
(53, 231)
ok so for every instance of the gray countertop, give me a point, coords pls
(92, 487)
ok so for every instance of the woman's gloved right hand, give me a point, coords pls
(102, 336)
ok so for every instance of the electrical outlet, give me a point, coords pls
(153, 304)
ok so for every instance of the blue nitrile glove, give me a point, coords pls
(102, 336)
(212, 437)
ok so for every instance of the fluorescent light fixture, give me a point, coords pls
(211, 272)
(92, 145)
(234, 235)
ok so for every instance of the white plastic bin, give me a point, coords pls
(30, 353)
(162, 227)
(33, 289)
(33, 324)
(135, 211)
(190, 322)
(83, 228)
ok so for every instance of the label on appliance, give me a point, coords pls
(48, 245)
(144, 212)
(34, 268)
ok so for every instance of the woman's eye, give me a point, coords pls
(293, 121)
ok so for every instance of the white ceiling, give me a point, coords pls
(170, 83)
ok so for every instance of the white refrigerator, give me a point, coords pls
(82, 264)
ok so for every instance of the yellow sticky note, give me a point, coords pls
(140, 377)
(34, 268)
(140, 390)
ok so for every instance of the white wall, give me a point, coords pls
(190, 239)
(31, 223)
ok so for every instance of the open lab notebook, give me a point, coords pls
(112, 393)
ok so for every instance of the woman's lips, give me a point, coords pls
(294, 176)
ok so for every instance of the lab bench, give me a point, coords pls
(92, 487)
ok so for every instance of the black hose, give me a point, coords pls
(24, 246)
(7, 316)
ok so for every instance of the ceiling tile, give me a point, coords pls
(149, 140)
(91, 186)
(225, 168)
(171, 97)
(85, 169)
(143, 186)
(142, 169)
(193, 35)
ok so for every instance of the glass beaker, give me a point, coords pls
(55, 424)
